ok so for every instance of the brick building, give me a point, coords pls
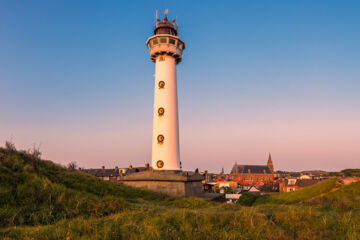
(256, 175)
(293, 184)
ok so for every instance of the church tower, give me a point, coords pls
(166, 52)
(270, 164)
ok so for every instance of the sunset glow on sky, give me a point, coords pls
(256, 77)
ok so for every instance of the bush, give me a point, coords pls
(351, 172)
(247, 199)
(190, 202)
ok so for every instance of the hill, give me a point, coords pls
(346, 197)
(34, 191)
(302, 194)
(41, 200)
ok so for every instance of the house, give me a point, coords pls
(232, 197)
(294, 184)
(305, 176)
(113, 174)
(226, 184)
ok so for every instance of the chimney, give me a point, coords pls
(102, 167)
(130, 167)
(116, 167)
(147, 165)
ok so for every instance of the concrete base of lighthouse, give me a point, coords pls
(171, 183)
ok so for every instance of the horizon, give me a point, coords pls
(256, 78)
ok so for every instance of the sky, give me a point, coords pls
(257, 77)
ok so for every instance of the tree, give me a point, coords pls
(247, 199)
(72, 165)
(10, 145)
(35, 151)
(227, 190)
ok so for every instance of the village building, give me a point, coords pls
(294, 184)
(221, 186)
(113, 174)
(256, 175)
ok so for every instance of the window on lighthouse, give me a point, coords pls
(160, 138)
(172, 41)
(155, 42)
(180, 45)
(161, 84)
(161, 111)
(159, 164)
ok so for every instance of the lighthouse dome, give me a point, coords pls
(165, 27)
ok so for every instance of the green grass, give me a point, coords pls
(41, 200)
(220, 222)
(347, 197)
(33, 191)
(302, 194)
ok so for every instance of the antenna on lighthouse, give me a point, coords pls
(176, 23)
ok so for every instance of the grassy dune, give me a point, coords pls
(41, 200)
(33, 191)
(347, 197)
(302, 194)
(216, 222)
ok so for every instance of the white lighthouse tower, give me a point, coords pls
(166, 52)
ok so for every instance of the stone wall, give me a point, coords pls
(175, 189)
(176, 184)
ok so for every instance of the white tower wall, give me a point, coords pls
(168, 123)
(166, 50)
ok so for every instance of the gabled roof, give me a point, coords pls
(306, 182)
(135, 170)
(113, 172)
(250, 169)
(102, 172)
(302, 182)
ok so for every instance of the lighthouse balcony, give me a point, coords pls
(165, 44)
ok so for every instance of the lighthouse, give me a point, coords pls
(165, 174)
(166, 52)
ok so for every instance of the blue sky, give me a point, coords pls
(256, 77)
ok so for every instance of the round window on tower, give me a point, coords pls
(160, 138)
(161, 84)
(161, 111)
(160, 164)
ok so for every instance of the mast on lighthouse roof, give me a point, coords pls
(166, 52)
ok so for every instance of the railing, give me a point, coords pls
(173, 25)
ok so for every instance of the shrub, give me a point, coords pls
(247, 199)
(190, 202)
